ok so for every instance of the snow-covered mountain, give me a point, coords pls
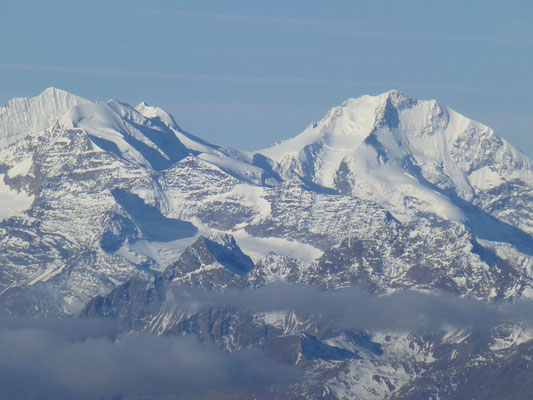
(91, 181)
(108, 208)
(412, 156)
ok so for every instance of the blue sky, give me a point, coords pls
(249, 73)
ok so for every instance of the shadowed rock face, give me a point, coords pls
(418, 261)
(314, 349)
(154, 225)
(206, 264)
(210, 264)
(226, 252)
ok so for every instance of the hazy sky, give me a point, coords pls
(248, 73)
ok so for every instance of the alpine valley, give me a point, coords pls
(112, 211)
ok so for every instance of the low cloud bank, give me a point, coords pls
(66, 359)
(352, 308)
(72, 358)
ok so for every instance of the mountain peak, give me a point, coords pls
(148, 111)
(323, 145)
(393, 95)
(346, 126)
(24, 115)
(393, 148)
(55, 92)
(396, 96)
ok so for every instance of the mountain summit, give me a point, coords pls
(22, 116)
(318, 151)
(399, 150)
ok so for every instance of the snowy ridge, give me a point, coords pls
(149, 137)
(120, 129)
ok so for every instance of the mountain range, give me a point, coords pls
(387, 203)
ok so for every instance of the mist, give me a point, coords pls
(352, 308)
(67, 358)
(76, 358)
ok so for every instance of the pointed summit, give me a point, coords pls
(156, 112)
(25, 115)
(318, 151)
(212, 263)
(55, 92)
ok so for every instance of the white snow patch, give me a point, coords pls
(12, 202)
(455, 336)
(233, 166)
(51, 271)
(258, 248)
(485, 179)
(163, 253)
(343, 342)
(254, 196)
(517, 335)
(527, 293)
(274, 318)
(20, 169)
